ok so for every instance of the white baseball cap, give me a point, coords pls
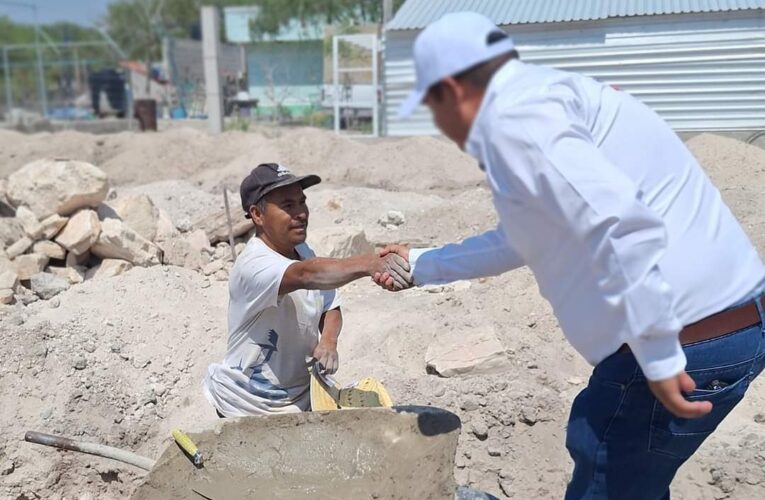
(454, 43)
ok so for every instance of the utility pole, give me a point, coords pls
(387, 12)
(210, 53)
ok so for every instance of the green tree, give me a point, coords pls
(275, 14)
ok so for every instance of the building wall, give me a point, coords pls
(184, 64)
(698, 71)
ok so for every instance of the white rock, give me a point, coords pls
(49, 248)
(11, 231)
(187, 250)
(73, 275)
(165, 227)
(339, 241)
(73, 260)
(199, 242)
(18, 248)
(47, 285)
(6, 296)
(5, 261)
(51, 226)
(118, 241)
(466, 351)
(108, 268)
(8, 278)
(140, 214)
(57, 186)
(80, 233)
(213, 267)
(392, 218)
(106, 211)
(30, 264)
(29, 222)
(222, 251)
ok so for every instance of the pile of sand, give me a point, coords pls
(120, 361)
(132, 158)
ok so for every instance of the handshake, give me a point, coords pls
(391, 268)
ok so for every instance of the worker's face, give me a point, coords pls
(454, 106)
(284, 219)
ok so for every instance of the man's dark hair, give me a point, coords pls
(261, 205)
(478, 75)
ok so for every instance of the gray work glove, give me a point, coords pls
(398, 269)
(327, 359)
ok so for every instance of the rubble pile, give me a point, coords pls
(63, 225)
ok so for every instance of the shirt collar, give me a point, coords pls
(473, 145)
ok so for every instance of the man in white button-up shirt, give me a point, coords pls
(650, 275)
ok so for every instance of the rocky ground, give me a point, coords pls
(115, 348)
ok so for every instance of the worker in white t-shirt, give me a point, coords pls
(284, 310)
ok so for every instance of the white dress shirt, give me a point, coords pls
(627, 237)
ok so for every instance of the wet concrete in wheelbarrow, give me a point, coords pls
(405, 452)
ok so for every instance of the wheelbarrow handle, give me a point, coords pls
(100, 450)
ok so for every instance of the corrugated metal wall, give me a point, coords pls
(698, 72)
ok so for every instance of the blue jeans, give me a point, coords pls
(625, 445)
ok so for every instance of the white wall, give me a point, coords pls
(698, 71)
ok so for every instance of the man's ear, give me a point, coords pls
(256, 215)
(452, 90)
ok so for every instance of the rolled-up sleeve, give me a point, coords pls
(562, 176)
(487, 254)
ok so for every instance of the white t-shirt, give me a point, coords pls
(270, 336)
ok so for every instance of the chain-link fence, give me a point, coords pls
(61, 80)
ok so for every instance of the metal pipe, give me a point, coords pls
(230, 225)
(100, 450)
(7, 77)
(110, 41)
(65, 45)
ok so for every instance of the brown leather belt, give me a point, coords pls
(718, 324)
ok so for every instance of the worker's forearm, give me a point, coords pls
(332, 323)
(326, 274)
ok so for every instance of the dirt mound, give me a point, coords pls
(131, 158)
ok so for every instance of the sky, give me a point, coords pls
(84, 12)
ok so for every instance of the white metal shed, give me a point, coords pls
(699, 63)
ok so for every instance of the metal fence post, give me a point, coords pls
(40, 71)
(7, 78)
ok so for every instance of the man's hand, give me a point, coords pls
(670, 391)
(391, 270)
(326, 356)
(386, 279)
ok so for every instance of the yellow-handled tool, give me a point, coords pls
(188, 446)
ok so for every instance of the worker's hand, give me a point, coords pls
(670, 391)
(326, 356)
(386, 279)
(394, 268)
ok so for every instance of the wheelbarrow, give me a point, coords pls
(399, 452)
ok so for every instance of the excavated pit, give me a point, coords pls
(406, 452)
